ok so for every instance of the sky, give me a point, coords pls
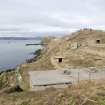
(50, 17)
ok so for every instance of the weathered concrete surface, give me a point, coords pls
(87, 74)
(50, 78)
(61, 78)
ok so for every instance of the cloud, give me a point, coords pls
(46, 16)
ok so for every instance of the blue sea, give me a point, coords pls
(15, 52)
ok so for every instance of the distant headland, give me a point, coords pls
(21, 38)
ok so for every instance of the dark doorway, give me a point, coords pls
(97, 41)
(60, 60)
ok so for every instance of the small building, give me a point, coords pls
(40, 80)
(59, 59)
(75, 45)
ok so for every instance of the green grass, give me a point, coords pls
(24, 103)
(72, 102)
(3, 81)
(101, 100)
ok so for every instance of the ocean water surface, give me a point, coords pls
(14, 52)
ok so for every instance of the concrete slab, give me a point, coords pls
(40, 80)
(50, 77)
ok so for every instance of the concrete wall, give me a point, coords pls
(60, 86)
(64, 60)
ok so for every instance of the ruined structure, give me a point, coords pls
(40, 80)
(83, 48)
(59, 59)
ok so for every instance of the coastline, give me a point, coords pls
(9, 77)
(36, 55)
(18, 76)
(14, 52)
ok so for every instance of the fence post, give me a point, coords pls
(89, 76)
(78, 77)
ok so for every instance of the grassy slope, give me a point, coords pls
(87, 93)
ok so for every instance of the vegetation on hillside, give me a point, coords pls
(8, 78)
(84, 93)
(37, 55)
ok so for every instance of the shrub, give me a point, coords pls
(101, 100)
(3, 81)
(38, 52)
(24, 103)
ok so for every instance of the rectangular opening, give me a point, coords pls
(97, 41)
(60, 60)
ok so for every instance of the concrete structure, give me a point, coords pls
(51, 78)
(59, 59)
(75, 45)
(40, 80)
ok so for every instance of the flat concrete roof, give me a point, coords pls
(50, 77)
(57, 57)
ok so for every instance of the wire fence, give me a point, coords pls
(84, 75)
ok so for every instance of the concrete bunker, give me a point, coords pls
(98, 41)
(59, 59)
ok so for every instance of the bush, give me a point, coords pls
(37, 54)
(24, 103)
(101, 100)
(3, 81)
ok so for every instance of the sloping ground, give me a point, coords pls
(42, 63)
(86, 93)
(85, 55)
(88, 54)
